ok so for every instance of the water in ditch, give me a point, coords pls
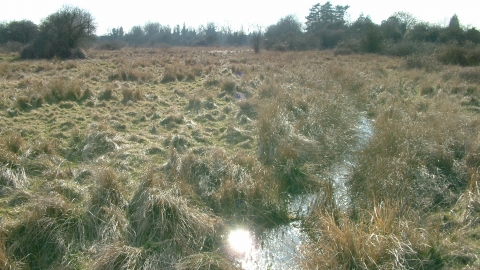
(277, 248)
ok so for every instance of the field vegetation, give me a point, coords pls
(147, 156)
(144, 158)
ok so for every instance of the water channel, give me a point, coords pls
(277, 248)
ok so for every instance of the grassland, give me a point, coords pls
(144, 158)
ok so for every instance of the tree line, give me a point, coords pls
(400, 34)
(326, 27)
(155, 34)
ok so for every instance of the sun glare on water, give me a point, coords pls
(240, 241)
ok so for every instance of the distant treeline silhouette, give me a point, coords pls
(326, 28)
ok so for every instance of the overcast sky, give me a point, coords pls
(247, 13)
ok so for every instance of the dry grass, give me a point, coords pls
(236, 187)
(51, 227)
(130, 74)
(132, 95)
(141, 158)
(383, 241)
(205, 260)
(412, 148)
(163, 217)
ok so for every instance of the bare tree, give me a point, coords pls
(256, 40)
(62, 33)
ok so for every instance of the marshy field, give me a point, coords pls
(166, 158)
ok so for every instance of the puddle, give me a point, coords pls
(274, 249)
(277, 248)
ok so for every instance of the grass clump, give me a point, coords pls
(107, 94)
(169, 75)
(130, 74)
(237, 187)
(11, 177)
(50, 227)
(121, 256)
(132, 95)
(383, 241)
(14, 142)
(159, 215)
(228, 86)
(60, 89)
(301, 138)
(406, 153)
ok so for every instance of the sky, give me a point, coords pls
(249, 14)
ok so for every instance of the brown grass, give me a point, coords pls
(415, 149)
(132, 95)
(106, 181)
(51, 227)
(383, 241)
(161, 216)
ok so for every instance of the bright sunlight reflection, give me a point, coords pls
(240, 241)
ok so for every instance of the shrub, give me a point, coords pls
(404, 48)
(459, 55)
(372, 41)
(286, 34)
(256, 41)
(18, 32)
(110, 46)
(61, 33)
(421, 61)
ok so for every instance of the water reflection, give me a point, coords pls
(240, 241)
(242, 246)
(275, 248)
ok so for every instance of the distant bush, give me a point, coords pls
(110, 46)
(61, 33)
(372, 40)
(256, 41)
(285, 35)
(420, 61)
(404, 48)
(11, 46)
(21, 32)
(459, 55)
